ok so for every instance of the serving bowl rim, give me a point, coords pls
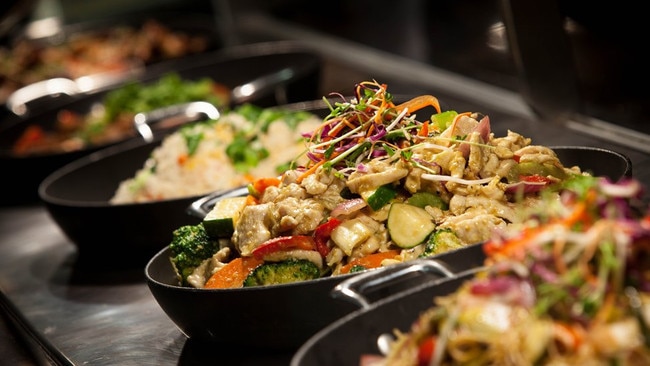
(163, 255)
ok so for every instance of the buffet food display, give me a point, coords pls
(114, 49)
(244, 144)
(383, 184)
(111, 119)
(567, 286)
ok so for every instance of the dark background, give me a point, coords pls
(584, 57)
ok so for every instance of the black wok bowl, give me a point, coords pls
(269, 317)
(29, 94)
(283, 316)
(231, 67)
(77, 198)
(359, 333)
(54, 35)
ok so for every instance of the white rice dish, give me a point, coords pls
(173, 171)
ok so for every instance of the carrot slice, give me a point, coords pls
(233, 274)
(370, 261)
(418, 103)
(261, 184)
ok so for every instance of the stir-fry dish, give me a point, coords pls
(112, 119)
(568, 286)
(381, 187)
(115, 49)
(243, 144)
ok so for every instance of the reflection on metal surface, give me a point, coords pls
(386, 64)
(51, 27)
(610, 132)
(496, 37)
(245, 92)
(180, 113)
(19, 100)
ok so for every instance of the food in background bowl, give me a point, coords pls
(115, 49)
(111, 119)
(234, 67)
(242, 145)
(381, 187)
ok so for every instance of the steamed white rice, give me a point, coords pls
(209, 169)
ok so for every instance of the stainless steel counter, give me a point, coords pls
(83, 315)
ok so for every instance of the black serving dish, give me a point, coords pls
(360, 333)
(274, 313)
(272, 317)
(232, 68)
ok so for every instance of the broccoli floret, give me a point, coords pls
(190, 246)
(275, 273)
(441, 241)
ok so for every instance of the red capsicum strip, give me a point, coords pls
(535, 179)
(322, 235)
(426, 349)
(284, 243)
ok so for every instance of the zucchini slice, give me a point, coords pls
(221, 220)
(409, 225)
(380, 197)
(424, 199)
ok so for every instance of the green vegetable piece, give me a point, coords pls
(444, 119)
(381, 196)
(357, 268)
(221, 220)
(408, 225)
(189, 247)
(441, 241)
(192, 139)
(533, 168)
(424, 199)
(275, 273)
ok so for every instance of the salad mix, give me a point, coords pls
(567, 286)
(385, 182)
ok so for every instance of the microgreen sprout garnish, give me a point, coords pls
(369, 126)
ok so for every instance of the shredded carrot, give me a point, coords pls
(233, 274)
(342, 123)
(182, 159)
(419, 102)
(371, 129)
(558, 248)
(424, 130)
(569, 335)
(577, 215)
(511, 248)
(309, 171)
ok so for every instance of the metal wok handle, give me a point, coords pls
(172, 115)
(262, 85)
(17, 101)
(201, 207)
(353, 288)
